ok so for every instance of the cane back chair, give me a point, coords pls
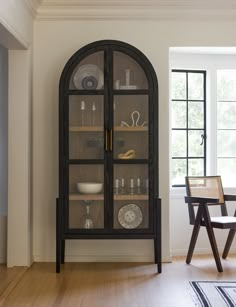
(203, 192)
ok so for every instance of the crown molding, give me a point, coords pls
(58, 11)
(211, 4)
(33, 6)
(136, 10)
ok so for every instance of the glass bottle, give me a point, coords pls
(131, 191)
(88, 222)
(116, 188)
(122, 191)
(82, 113)
(94, 114)
(139, 186)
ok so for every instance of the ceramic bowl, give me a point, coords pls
(89, 187)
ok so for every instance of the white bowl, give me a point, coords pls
(89, 187)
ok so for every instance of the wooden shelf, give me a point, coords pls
(130, 129)
(86, 197)
(98, 128)
(117, 197)
(85, 128)
(130, 197)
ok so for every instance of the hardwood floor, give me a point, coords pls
(109, 284)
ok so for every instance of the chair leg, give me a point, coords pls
(192, 244)
(212, 239)
(194, 236)
(228, 243)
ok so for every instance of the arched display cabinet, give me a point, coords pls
(108, 147)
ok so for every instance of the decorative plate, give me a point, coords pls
(130, 216)
(89, 77)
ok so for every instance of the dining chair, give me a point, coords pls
(203, 192)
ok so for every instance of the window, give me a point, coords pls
(206, 75)
(226, 125)
(188, 124)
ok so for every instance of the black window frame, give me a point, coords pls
(187, 129)
(218, 156)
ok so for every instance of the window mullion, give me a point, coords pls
(187, 126)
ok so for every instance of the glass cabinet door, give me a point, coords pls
(130, 113)
(86, 142)
(88, 74)
(86, 196)
(116, 145)
(86, 127)
(131, 196)
(130, 143)
(128, 74)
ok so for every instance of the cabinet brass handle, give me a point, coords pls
(111, 140)
(106, 141)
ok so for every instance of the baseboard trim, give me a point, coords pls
(95, 258)
(101, 258)
(199, 251)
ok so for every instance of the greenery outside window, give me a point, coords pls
(188, 124)
(226, 125)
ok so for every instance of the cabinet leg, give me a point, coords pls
(157, 255)
(157, 240)
(58, 256)
(58, 239)
(63, 251)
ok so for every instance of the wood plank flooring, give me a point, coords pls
(108, 284)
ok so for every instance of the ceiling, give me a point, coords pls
(134, 9)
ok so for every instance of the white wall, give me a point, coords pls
(19, 153)
(3, 150)
(54, 43)
(16, 28)
(3, 128)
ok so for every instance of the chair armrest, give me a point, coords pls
(230, 197)
(201, 200)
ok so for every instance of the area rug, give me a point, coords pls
(214, 293)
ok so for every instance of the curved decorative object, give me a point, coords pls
(130, 154)
(88, 77)
(124, 124)
(135, 116)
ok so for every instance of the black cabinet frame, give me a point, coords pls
(63, 231)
